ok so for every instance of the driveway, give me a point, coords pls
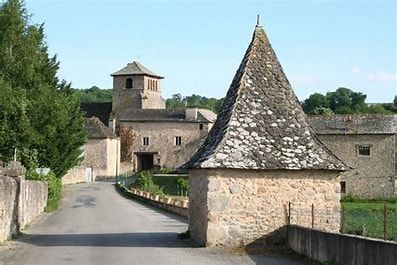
(96, 225)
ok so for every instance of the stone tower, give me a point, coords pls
(259, 158)
(136, 87)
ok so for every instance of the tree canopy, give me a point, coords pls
(40, 116)
(193, 101)
(95, 94)
(343, 101)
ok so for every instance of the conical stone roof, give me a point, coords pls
(261, 124)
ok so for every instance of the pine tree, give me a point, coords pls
(44, 122)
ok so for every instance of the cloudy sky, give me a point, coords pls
(198, 45)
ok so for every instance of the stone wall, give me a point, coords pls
(21, 201)
(34, 199)
(236, 207)
(373, 176)
(103, 156)
(341, 249)
(75, 175)
(96, 156)
(113, 157)
(162, 141)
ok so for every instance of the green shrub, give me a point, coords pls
(145, 182)
(183, 186)
(54, 188)
(166, 170)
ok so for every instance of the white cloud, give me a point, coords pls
(382, 77)
(355, 70)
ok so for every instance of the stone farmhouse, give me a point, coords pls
(260, 158)
(101, 155)
(152, 137)
(367, 144)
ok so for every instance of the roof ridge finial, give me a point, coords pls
(258, 23)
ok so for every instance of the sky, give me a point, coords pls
(198, 45)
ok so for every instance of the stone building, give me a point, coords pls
(260, 156)
(367, 144)
(157, 137)
(101, 155)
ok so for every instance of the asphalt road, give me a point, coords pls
(96, 225)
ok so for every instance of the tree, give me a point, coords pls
(343, 101)
(315, 101)
(41, 116)
(193, 101)
(95, 94)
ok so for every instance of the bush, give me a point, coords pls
(145, 182)
(54, 188)
(183, 186)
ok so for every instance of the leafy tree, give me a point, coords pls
(193, 101)
(343, 101)
(377, 109)
(315, 101)
(95, 94)
(40, 116)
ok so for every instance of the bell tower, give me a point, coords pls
(136, 87)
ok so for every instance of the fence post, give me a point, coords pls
(342, 219)
(312, 215)
(385, 221)
(289, 213)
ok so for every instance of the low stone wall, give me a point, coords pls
(34, 200)
(341, 248)
(21, 201)
(75, 175)
(168, 204)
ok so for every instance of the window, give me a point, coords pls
(145, 140)
(178, 140)
(128, 83)
(201, 126)
(364, 150)
(343, 186)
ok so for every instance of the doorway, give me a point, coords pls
(144, 162)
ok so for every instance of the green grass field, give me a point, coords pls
(366, 218)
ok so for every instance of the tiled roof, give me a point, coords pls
(261, 124)
(353, 124)
(101, 110)
(97, 130)
(135, 68)
(166, 115)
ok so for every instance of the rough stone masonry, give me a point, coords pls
(260, 156)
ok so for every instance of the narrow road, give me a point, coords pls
(96, 225)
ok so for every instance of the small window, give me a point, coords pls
(364, 150)
(128, 83)
(178, 140)
(343, 186)
(145, 140)
(201, 126)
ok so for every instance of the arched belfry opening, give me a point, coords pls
(128, 83)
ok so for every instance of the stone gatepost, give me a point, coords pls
(17, 171)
